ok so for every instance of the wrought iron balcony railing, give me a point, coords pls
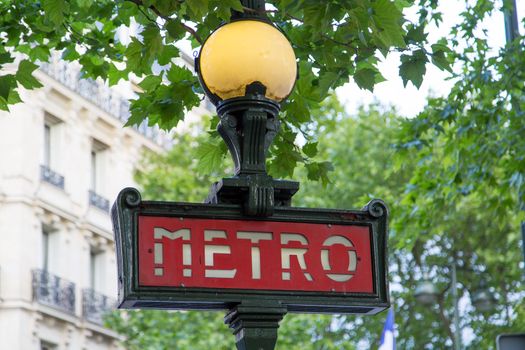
(53, 291)
(98, 201)
(95, 305)
(69, 74)
(48, 175)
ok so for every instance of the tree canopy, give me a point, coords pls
(368, 163)
(334, 41)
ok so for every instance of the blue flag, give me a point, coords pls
(388, 341)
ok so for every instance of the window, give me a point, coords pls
(49, 249)
(47, 145)
(98, 165)
(51, 141)
(96, 270)
(98, 160)
(94, 171)
(50, 148)
(45, 250)
(44, 345)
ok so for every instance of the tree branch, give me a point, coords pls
(444, 319)
(167, 18)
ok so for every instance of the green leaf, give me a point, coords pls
(14, 97)
(134, 54)
(24, 75)
(310, 149)
(84, 3)
(167, 53)
(198, 7)
(135, 118)
(5, 57)
(234, 4)
(416, 34)
(54, 10)
(39, 53)
(210, 155)
(151, 82)
(319, 171)
(6, 84)
(175, 29)
(413, 68)
(180, 74)
(225, 7)
(439, 58)
(365, 78)
(285, 161)
(152, 41)
(388, 18)
(3, 105)
(8, 94)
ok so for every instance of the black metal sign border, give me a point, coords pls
(129, 206)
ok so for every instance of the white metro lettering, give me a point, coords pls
(325, 258)
(300, 261)
(211, 250)
(286, 253)
(158, 234)
(255, 237)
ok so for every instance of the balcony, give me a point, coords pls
(104, 97)
(96, 305)
(98, 201)
(48, 175)
(53, 291)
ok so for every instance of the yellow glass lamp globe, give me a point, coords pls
(242, 52)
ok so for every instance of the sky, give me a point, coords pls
(409, 100)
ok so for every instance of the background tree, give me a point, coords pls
(428, 233)
(468, 188)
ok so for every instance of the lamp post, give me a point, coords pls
(512, 31)
(246, 68)
(426, 293)
(274, 258)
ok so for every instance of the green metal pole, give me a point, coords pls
(512, 31)
(248, 128)
(457, 329)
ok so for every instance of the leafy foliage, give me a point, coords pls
(427, 234)
(466, 192)
(333, 40)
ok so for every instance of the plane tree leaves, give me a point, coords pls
(413, 68)
(333, 40)
(436, 219)
(466, 193)
(24, 75)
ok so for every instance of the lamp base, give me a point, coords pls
(258, 193)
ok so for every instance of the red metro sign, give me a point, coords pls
(269, 255)
(210, 256)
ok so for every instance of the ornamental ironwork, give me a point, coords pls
(95, 305)
(52, 177)
(98, 201)
(69, 74)
(53, 291)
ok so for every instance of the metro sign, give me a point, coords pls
(244, 254)
(195, 256)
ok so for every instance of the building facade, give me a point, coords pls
(64, 156)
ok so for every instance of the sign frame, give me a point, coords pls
(129, 206)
